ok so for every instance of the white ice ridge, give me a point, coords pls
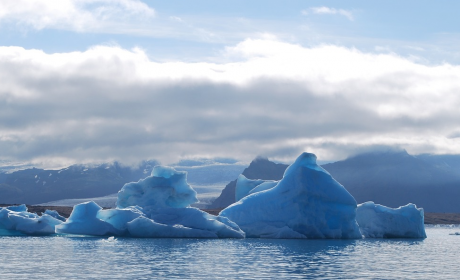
(245, 186)
(378, 221)
(157, 206)
(15, 220)
(306, 203)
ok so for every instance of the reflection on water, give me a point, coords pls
(118, 258)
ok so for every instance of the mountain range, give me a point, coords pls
(100, 182)
(391, 178)
(397, 178)
(34, 186)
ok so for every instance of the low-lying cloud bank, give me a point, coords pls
(273, 98)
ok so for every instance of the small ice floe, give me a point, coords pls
(110, 239)
(16, 220)
(378, 221)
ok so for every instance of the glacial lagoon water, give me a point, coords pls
(64, 257)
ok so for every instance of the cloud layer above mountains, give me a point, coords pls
(270, 97)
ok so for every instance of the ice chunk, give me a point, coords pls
(6, 224)
(44, 225)
(195, 218)
(306, 203)
(15, 220)
(378, 221)
(264, 186)
(166, 187)
(90, 219)
(245, 186)
(156, 206)
(18, 208)
(54, 214)
(83, 220)
(119, 218)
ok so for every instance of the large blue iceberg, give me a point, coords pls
(157, 206)
(306, 203)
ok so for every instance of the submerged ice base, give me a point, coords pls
(306, 203)
(157, 206)
(378, 221)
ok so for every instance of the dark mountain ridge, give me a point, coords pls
(259, 168)
(397, 178)
(34, 186)
(391, 178)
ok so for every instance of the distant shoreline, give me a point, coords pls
(442, 218)
(430, 218)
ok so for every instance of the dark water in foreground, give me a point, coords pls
(437, 257)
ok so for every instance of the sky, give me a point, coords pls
(86, 81)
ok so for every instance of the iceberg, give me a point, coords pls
(264, 186)
(245, 186)
(165, 188)
(378, 221)
(157, 206)
(84, 220)
(55, 214)
(306, 203)
(15, 220)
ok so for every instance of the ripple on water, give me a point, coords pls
(120, 258)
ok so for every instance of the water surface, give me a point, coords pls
(436, 257)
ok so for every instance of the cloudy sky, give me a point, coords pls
(99, 80)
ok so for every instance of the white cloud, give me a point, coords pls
(274, 98)
(77, 15)
(329, 11)
(174, 18)
(129, 17)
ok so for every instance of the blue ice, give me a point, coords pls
(15, 220)
(157, 206)
(378, 221)
(306, 203)
(245, 186)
